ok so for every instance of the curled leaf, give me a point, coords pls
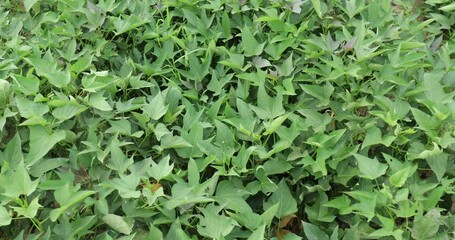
(118, 223)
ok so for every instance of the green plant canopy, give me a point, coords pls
(227, 119)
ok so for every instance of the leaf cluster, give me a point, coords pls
(226, 119)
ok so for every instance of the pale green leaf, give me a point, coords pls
(209, 224)
(162, 169)
(370, 168)
(438, 163)
(17, 181)
(38, 147)
(5, 217)
(156, 108)
(47, 67)
(317, 7)
(118, 223)
(98, 101)
(250, 45)
(283, 196)
(30, 211)
(399, 178)
(258, 234)
(28, 4)
(427, 226)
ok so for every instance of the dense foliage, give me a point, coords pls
(227, 119)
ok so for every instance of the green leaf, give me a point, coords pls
(169, 141)
(258, 234)
(68, 111)
(326, 141)
(209, 224)
(313, 232)
(268, 215)
(248, 219)
(448, 8)
(366, 203)
(156, 108)
(38, 147)
(47, 67)
(18, 182)
(125, 185)
(122, 126)
(266, 184)
(373, 136)
(322, 93)
(370, 168)
(125, 24)
(118, 223)
(98, 101)
(261, 62)
(193, 173)
(286, 68)
(29, 109)
(317, 7)
(249, 45)
(182, 194)
(276, 166)
(28, 4)
(427, 226)
(434, 197)
(155, 233)
(152, 196)
(96, 82)
(224, 137)
(320, 164)
(276, 50)
(318, 211)
(341, 203)
(231, 195)
(235, 61)
(82, 63)
(434, 90)
(399, 178)
(13, 152)
(118, 161)
(425, 121)
(67, 196)
(27, 85)
(241, 160)
(438, 163)
(268, 107)
(162, 169)
(283, 196)
(318, 121)
(30, 211)
(5, 217)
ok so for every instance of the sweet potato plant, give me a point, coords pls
(227, 119)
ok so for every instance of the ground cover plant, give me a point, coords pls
(227, 119)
